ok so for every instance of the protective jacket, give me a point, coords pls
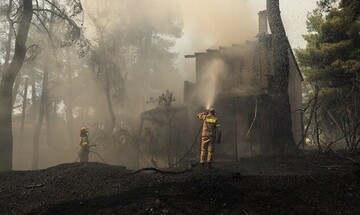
(211, 125)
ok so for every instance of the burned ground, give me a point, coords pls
(300, 185)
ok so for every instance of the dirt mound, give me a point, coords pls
(322, 185)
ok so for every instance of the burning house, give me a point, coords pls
(237, 81)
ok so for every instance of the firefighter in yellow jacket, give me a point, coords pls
(84, 144)
(211, 133)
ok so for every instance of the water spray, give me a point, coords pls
(208, 106)
(209, 84)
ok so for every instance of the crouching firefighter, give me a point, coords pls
(84, 144)
(211, 133)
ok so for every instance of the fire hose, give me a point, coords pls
(103, 160)
(187, 152)
(163, 171)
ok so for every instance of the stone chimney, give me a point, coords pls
(263, 26)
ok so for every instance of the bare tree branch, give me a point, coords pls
(61, 15)
(347, 158)
(43, 24)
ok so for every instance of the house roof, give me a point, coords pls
(241, 46)
(161, 109)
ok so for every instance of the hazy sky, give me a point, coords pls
(214, 23)
(209, 23)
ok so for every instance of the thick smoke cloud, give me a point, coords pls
(214, 23)
(200, 24)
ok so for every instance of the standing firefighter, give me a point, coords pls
(84, 144)
(210, 133)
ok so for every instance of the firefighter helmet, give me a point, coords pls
(84, 132)
(212, 110)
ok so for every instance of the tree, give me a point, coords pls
(137, 47)
(41, 12)
(9, 26)
(53, 21)
(108, 63)
(153, 59)
(10, 34)
(282, 136)
(162, 116)
(331, 60)
(6, 87)
(147, 47)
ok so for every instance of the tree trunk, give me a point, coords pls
(70, 122)
(6, 88)
(282, 137)
(317, 132)
(47, 109)
(36, 139)
(7, 55)
(33, 97)
(16, 89)
(108, 98)
(54, 115)
(47, 105)
(23, 116)
(69, 103)
(8, 43)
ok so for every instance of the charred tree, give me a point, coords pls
(36, 138)
(6, 87)
(48, 110)
(10, 36)
(105, 59)
(8, 53)
(108, 99)
(43, 103)
(70, 121)
(69, 99)
(48, 119)
(33, 97)
(23, 115)
(16, 89)
(282, 139)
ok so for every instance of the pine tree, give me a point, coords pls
(331, 60)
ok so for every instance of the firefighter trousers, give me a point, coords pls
(207, 149)
(84, 154)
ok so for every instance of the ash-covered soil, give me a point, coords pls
(299, 185)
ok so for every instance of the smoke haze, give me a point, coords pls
(210, 24)
(144, 41)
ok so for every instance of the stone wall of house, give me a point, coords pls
(245, 85)
(295, 96)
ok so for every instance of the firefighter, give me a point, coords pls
(84, 144)
(211, 133)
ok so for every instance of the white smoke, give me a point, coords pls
(210, 82)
